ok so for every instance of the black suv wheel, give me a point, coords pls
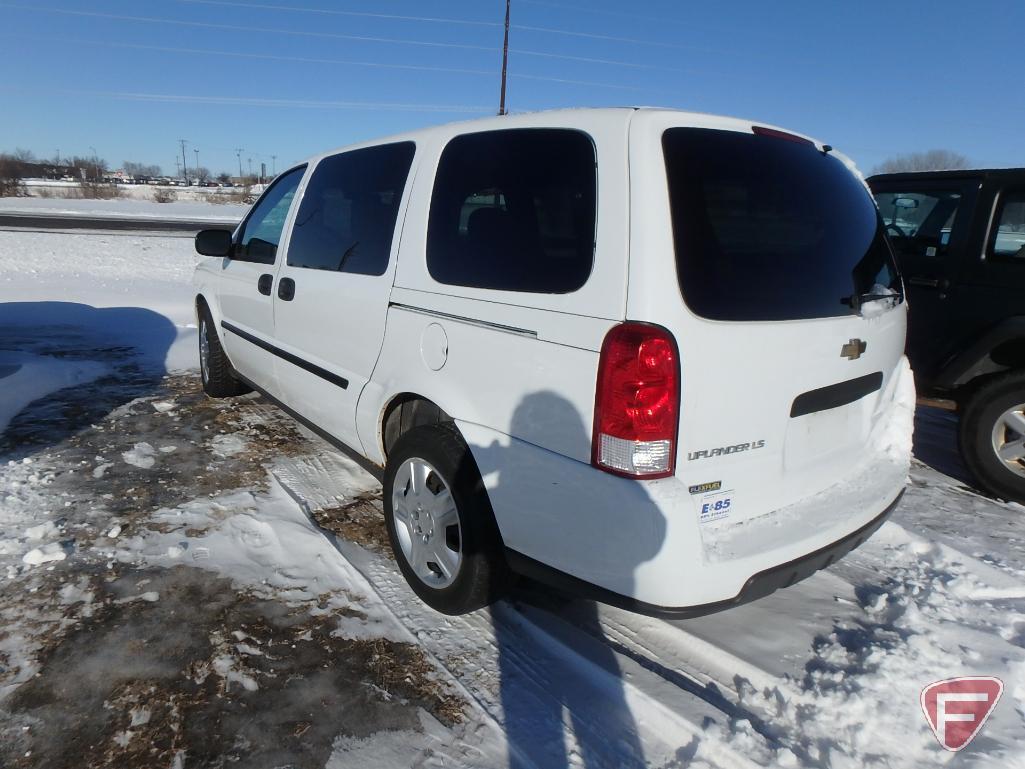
(992, 435)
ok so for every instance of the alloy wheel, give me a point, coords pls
(1009, 439)
(427, 523)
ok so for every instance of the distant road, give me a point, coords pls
(49, 221)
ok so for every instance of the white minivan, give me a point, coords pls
(649, 356)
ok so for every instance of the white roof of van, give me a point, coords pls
(580, 117)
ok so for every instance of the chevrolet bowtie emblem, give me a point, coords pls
(853, 349)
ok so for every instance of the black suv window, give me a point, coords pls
(1008, 238)
(514, 210)
(347, 216)
(262, 231)
(919, 223)
(768, 228)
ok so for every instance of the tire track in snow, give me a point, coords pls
(547, 659)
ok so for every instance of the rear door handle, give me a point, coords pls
(286, 289)
(265, 283)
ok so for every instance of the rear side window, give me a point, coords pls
(919, 223)
(771, 229)
(347, 216)
(1008, 238)
(515, 211)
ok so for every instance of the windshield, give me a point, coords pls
(771, 229)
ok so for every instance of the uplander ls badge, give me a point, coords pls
(708, 453)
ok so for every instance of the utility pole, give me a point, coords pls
(505, 59)
(185, 166)
(250, 167)
(273, 165)
(197, 164)
(238, 153)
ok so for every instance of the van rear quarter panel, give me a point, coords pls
(533, 379)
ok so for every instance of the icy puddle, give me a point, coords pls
(173, 667)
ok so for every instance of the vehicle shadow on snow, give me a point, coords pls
(551, 677)
(63, 342)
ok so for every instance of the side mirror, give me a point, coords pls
(907, 203)
(213, 243)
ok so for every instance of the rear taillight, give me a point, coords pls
(637, 403)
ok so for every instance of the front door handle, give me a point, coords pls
(286, 289)
(926, 282)
(265, 283)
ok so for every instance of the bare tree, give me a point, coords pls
(931, 160)
(201, 173)
(11, 174)
(24, 156)
(140, 170)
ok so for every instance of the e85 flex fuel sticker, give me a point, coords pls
(715, 507)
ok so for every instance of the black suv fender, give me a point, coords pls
(1000, 349)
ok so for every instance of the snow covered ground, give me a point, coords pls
(188, 583)
(141, 208)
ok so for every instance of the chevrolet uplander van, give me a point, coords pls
(650, 356)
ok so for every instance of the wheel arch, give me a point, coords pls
(403, 412)
(1000, 349)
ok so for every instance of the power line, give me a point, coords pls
(312, 60)
(604, 11)
(590, 60)
(338, 36)
(240, 28)
(441, 20)
(263, 102)
(245, 55)
(334, 12)
(609, 38)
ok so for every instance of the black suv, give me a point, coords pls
(959, 238)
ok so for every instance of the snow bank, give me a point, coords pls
(131, 289)
(263, 541)
(127, 208)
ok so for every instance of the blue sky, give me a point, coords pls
(294, 77)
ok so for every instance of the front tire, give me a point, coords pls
(215, 370)
(992, 435)
(440, 523)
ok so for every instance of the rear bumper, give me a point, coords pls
(757, 586)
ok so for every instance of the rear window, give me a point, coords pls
(514, 210)
(771, 229)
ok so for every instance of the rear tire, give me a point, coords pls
(440, 522)
(992, 435)
(215, 370)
